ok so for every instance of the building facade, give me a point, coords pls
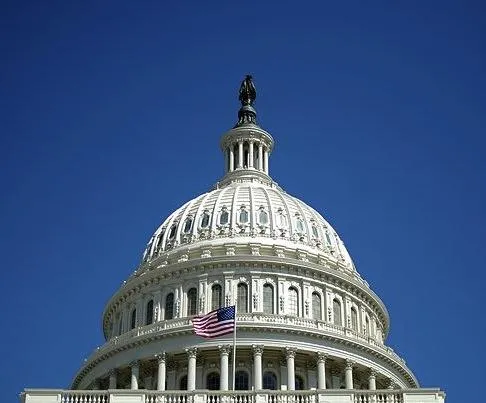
(308, 325)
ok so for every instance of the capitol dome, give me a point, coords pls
(305, 319)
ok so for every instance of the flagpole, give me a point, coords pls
(234, 351)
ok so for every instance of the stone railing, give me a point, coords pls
(205, 396)
(247, 319)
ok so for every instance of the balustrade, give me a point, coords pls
(205, 396)
(258, 317)
(84, 396)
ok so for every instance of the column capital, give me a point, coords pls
(134, 363)
(290, 352)
(112, 372)
(257, 349)
(191, 352)
(224, 349)
(391, 384)
(161, 357)
(349, 364)
(371, 373)
(321, 357)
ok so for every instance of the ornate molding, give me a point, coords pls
(257, 349)
(321, 357)
(224, 349)
(191, 352)
(290, 352)
(161, 357)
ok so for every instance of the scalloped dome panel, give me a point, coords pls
(242, 212)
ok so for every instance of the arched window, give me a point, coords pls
(316, 306)
(169, 306)
(242, 297)
(336, 306)
(133, 318)
(172, 231)
(367, 327)
(315, 232)
(205, 220)
(149, 312)
(224, 217)
(216, 296)
(269, 381)
(212, 381)
(183, 383)
(354, 319)
(191, 302)
(187, 225)
(268, 298)
(299, 383)
(262, 217)
(241, 380)
(243, 215)
(293, 302)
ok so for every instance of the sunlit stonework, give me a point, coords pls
(309, 328)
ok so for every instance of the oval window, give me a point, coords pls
(172, 231)
(263, 217)
(300, 225)
(243, 216)
(188, 225)
(205, 220)
(224, 218)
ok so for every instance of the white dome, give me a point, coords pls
(247, 212)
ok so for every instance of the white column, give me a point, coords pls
(250, 155)
(231, 159)
(112, 384)
(265, 162)
(257, 366)
(321, 370)
(191, 368)
(135, 373)
(226, 163)
(372, 379)
(157, 306)
(290, 355)
(260, 156)
(161, 371)
(348, 374)
(139, 314)
(224, 352)
(240, 154)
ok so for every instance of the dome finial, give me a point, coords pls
(247, 96)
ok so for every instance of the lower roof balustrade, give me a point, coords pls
(206, 396)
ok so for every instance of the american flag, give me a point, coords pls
(215, 323)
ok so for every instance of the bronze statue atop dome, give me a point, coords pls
(247, 96)
(247, 91)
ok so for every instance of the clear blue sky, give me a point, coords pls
(111, 114)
